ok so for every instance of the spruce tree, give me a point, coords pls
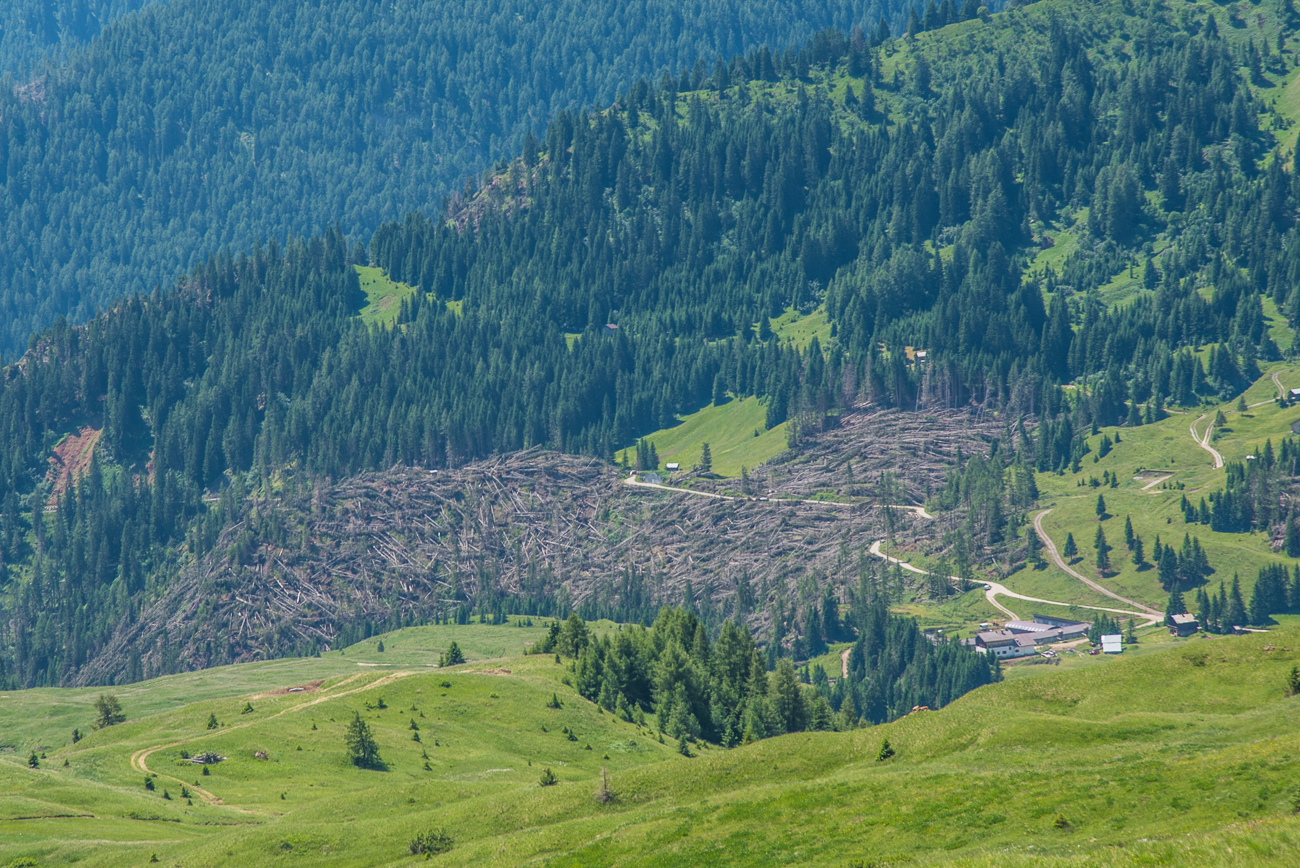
(1070, 550)
(1101, 507)
(1175, 606)
(1236, 614)
(109, 711)
(1103, 550)
(362, 749)
(1129, 536)
(453, 657)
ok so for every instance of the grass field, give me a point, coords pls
(1165, 449)
(800, 330)
(734, 432)
(1182, 753)
(383, 296)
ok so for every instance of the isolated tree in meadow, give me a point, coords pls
(1138, 557)
(109, 711)
(1070, 550)
(212, 721)
(706, 459)
(453, 657)
(1101, 507)
(1129, 536)
(362, 749)
(1103, 550)
(1293, 682)
(34, 761)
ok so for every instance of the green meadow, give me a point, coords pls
(383, 296)
(1156, 465)
(1185, 752)
(734, 432)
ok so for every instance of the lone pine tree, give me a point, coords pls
(362, 749)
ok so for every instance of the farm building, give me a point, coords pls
(1183, 625)
(672, 467)
(1022, 638)
(1004, 644)
(1112, 644)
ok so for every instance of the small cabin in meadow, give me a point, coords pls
(1183, 625)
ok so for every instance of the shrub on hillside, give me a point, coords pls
(431, 843)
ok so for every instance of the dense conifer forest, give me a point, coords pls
(899, 184)
(192, 125)
(37, 33)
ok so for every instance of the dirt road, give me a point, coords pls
(993, 590)
(1203, 440)
(1060, 562)
(636, 483)
(139, 759)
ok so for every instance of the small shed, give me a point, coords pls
(609, 330)
(1113, 644)
(672, 467)
(1295, 427)
(1183, 625)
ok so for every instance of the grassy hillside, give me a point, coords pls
(383, 296)
(1166, 454)
(734, 432)
(1181, 754)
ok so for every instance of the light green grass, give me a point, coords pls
(799, 330)
(730, 432)
(1281, 333)
(1165, 447)
(1065, 241)
(383, 296)
(1172, 754)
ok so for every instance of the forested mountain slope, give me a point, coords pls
(33, 31)
(903, 187)
(195, 125)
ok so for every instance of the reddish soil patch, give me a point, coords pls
(309, 687)
(70, 460)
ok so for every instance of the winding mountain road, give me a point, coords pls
(1203, 441)
(1060, 562)
(139, 759)
(993, 590)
